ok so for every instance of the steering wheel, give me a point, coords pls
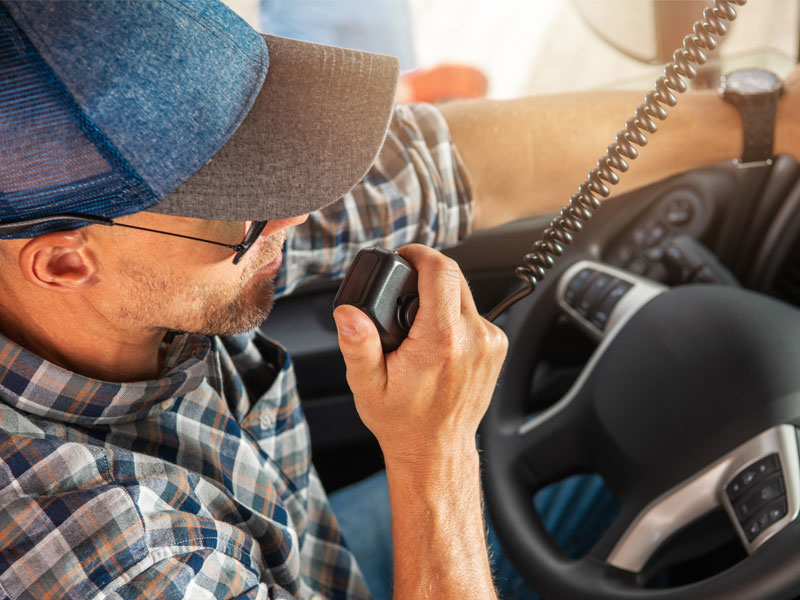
(689, 403)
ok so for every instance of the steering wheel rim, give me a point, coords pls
(511, 478)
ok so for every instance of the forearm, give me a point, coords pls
(437, 529)
(424, 403)
(528, 156)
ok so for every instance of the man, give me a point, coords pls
(145, 146)
(139, 462)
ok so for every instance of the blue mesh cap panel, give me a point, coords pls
(52, 158)
(166, 81)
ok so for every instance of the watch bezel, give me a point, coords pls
(733, 82)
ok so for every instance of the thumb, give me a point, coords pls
(362, 351)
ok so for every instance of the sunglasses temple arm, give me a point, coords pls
(17, 226)
(235, 247)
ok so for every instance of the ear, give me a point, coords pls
(60, 262)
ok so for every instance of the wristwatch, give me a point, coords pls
(754, 92)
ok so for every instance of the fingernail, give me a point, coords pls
(346, 329)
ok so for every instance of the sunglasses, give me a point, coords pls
(250, 237)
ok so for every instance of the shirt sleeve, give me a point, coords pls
(416, 191)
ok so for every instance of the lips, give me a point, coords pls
(270, 269)
(265, 247)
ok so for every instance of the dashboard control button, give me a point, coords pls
(625, 254)
(678, 212)
(655, 232)
(638, 266)
(658, 272)
(656, 253)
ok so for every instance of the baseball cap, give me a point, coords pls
(111, 107)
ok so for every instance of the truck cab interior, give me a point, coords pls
(660, 351)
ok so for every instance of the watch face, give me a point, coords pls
(752, 81)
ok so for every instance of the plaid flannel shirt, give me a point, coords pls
(200, 484)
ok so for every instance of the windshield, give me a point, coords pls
(549, 46)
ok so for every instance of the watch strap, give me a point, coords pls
(758, 116)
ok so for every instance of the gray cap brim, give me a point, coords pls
(316, 127)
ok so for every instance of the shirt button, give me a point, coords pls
(266, 422)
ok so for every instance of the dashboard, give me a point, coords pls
(733, 226)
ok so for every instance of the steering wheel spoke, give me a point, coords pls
(758, 485)
(553, 443)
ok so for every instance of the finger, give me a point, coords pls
(362, 351)
(439, 283)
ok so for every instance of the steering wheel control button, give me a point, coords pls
(771, 490)
(766, 492)
(753, 530)
(577, 286)
(769, 516)
(775, 512)
(758, 496)
(597, 296)
(744, 481)
(594, 293)
(601, 314)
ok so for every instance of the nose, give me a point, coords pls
(275, 225)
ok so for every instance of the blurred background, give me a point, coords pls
(546, 46)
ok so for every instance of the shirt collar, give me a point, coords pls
(34, 385)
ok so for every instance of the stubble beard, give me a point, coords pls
(167, 303)
(243, 312)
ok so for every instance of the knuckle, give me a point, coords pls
(501, 339)
(446, 266)
(495, 339)
(485, 338)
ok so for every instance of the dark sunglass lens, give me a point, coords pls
(256, 227)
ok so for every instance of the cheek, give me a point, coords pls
(159, 269)
(222, 274)
(195, 259)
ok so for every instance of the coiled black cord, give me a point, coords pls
(570, 221)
